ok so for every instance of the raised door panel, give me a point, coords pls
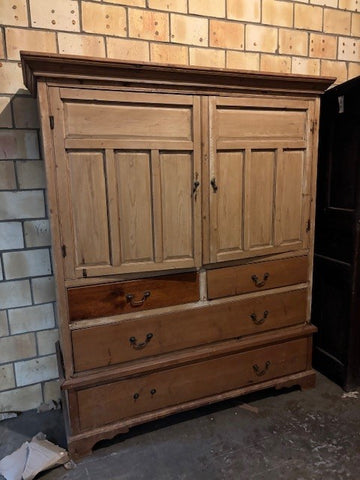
(88, 193)
(128, 201)
(259, 212)
(176, 206)
(260, 176)
(133, 180)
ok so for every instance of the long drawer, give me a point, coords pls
(154, 335)
(228, 281)
(131, 296)
(127, 398)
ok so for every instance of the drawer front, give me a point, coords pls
(143, 337)
(131, 296)
(228, 281)
(127, 398)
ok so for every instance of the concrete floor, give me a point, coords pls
(295, 435)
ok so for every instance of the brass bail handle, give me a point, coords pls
(138, 346)
(260, 283)
(259, 321)
(259, 372)
(137, 303)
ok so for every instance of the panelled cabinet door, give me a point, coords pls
(260, 176)
(127, 167)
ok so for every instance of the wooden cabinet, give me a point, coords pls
(182, 209)
(336, 297)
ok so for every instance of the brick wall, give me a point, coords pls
(303, 36)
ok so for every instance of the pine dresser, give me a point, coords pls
(182, 213)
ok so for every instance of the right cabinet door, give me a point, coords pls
(261, 156)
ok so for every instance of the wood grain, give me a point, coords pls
(110, 299)
(110, 344)
(223, 282)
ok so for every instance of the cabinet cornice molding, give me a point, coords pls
(52, 67)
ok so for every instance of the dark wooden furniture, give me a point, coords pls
(336, 294)
(182, 208)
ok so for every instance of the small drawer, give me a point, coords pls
(225, 282)
(131, 296)
(127, 398)
(138, 338)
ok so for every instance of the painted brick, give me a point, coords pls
(30, 263)
(11, 236)
(75, 44)
(190, 30)
(18, 144)
(260, 38)
(31, 174)
(322, 46)
(46, 341)
(20, 39)
(130, 3)
(43, 289)
(308, 17)
(293, 42)
(52, 391)
(349, 49)
(36, 370)
(170, 5)
(56, 14)
(305, 66)
(209, 9)
(225, 34)
(325, 3)
(123, 49)
(31, 319)
(5, 113)
(207, 57)
(17, 347)
(349, 5)
(107, 19)
(37, 233)
(14, 205)
(355, 25)
(242, 60)
(25, 112)
(163, 53)
(14, 12)
(2, 44)
(7, 379)
(353, 70)
(21, 399)
(336, 21)
(4, 329)
(272, 63)
(244, 10)
(330, 68)
(148, 25)
(11, 80)
(277, 13)
(7, 176)
(15, 294)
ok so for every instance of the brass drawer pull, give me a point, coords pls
(259, 321)
(259, 372)
(139, 346)
(261, 283)
(136, 396)
(138, 303)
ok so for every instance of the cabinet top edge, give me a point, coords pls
(38, 66)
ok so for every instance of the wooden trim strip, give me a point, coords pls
(49, 66)
(116, 143)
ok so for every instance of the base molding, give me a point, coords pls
(81, 445)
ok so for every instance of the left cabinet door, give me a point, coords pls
(128, 173)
